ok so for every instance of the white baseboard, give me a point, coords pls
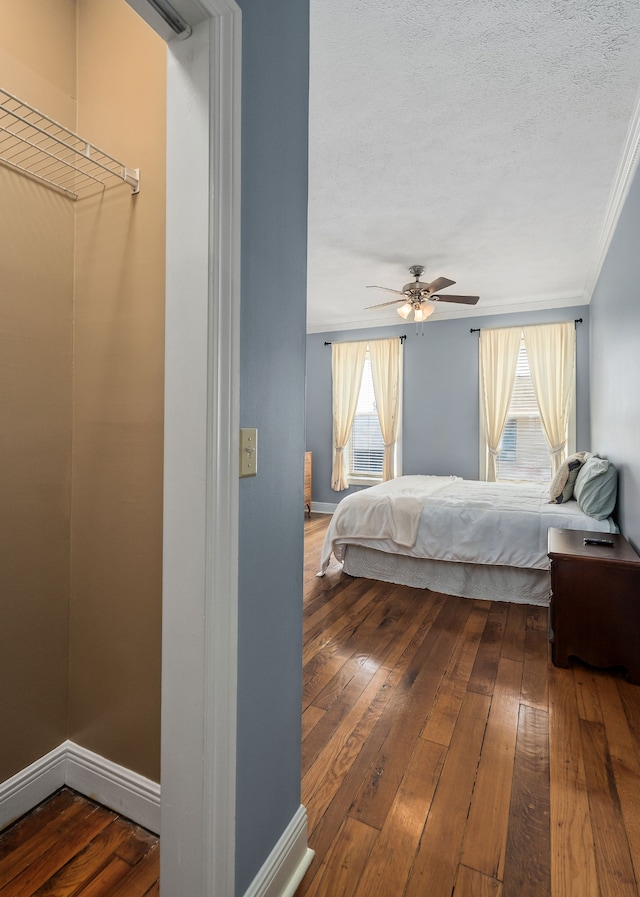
(114, 786)
(33, 784)
(138, 799)
(95, 777)
(285, 866)
(323, 507)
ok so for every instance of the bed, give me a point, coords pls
(461, 537)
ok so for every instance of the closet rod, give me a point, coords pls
(38, 146)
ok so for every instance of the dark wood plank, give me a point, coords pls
(422, 680)
(435, 868)
(154, 890)
(139, 878)
(346, 860)
(573, 864)
(585, 683)
(37, 844)
(341, 779)
(526, 867)
(485, 836)
(485, 667)
(538, 618)
(471, 883)
(326, 775)
(71, 843)
(364, 643)
(30, 825)
(613, 858)
(71, 846)
(515, 630)
(120, 838)
(625, 760)
(106, 880)
(384, 655)
(446, 707)
(391, 859)
(338, 607)
(355, 726)
(535, 684)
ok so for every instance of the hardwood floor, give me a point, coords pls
(443, 753)
(72, 847)
(443, 756)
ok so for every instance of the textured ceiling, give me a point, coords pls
(480, 138)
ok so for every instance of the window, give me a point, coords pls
(523, 451)
(366, 445)
(527, 401)
(366, 398)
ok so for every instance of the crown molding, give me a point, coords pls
(619, 192)
(515, 306)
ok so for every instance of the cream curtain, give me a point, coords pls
(347, 363)
(386, 365)
(551, 350)
(498, 360)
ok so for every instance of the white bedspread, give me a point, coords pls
(451, 519)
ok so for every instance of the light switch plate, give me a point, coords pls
(248, 452)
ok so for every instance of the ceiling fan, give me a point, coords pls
(416, 296)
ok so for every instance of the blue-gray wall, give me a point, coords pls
(440, 406)
(615, 363)
(275, 55)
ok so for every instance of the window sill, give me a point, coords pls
(363, 481)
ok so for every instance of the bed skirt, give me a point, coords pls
(515, 584)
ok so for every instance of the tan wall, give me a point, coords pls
(116, 532)
(80, 640)
(36, 301)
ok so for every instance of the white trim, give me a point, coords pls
(619, 192)
(114, 786)
(200, 592)
(122, 790)
(33, 784)
(282, 871)
(223, 431)
(323, 507)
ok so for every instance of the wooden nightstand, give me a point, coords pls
(595, 601)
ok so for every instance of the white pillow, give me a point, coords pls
(596, 487)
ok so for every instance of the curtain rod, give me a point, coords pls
(401, 338)
(477, 329)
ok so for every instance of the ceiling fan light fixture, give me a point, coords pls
(423, 312)
(405, 310)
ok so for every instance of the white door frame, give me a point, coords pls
(202, 374)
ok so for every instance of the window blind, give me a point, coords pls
(366, 444)
(524, 453)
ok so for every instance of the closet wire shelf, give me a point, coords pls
(34, 144)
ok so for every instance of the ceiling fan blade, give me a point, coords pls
(383, 304)
(440, 283)
(386, 289)
(463, 300)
